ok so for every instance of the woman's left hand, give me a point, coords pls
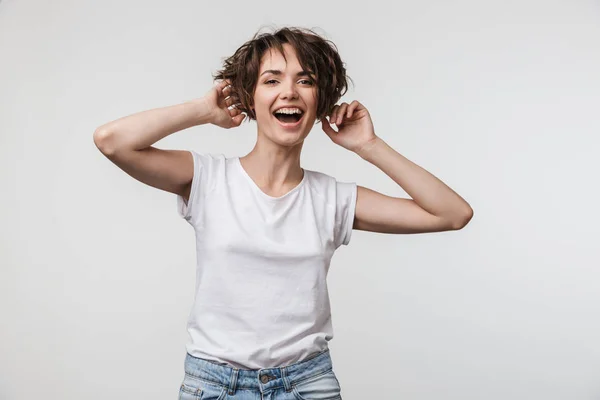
(355, 128)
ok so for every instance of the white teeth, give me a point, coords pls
(288, 111)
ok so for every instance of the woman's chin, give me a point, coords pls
(287, 138)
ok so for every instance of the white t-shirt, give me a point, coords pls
(261, 292)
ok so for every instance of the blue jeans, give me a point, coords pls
(310, 379)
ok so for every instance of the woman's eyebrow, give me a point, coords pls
(278, 72)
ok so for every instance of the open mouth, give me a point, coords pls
(288, 119)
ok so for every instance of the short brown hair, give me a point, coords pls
(317, 55)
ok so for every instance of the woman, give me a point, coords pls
(266, 228)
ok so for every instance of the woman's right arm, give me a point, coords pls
(127, 141)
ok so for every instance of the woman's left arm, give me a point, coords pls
(434, 206)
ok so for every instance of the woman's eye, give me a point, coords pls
(306, 81)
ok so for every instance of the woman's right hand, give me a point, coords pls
(221, 114)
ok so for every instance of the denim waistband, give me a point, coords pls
(263, 379)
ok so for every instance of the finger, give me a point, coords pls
(237, 120)
(340, 113)
(224, 87)
(227, 90)
(353, 106)
(231, 100)
(220, 85)
(329, 131)
(234, 109)
(332, 116)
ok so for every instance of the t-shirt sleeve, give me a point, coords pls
(344, 213)
(204, 169)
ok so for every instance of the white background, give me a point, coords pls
(499, 99)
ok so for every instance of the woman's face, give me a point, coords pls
(284, 85)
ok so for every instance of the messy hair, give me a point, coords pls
(316, 55)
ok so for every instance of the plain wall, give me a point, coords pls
(499, 99)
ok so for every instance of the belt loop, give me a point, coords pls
(286, 381)
(233, 381)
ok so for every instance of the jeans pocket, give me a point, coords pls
(187, 392)
(195, 389)
(321, 387)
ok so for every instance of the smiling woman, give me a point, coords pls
(286, 82)
(266, 228)
(317, 65)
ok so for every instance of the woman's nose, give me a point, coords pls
(289, 92)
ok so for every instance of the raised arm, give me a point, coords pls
(434, 206)
(127, 141)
